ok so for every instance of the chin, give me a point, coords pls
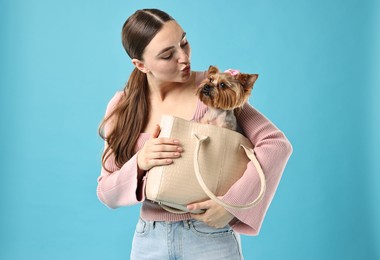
(186, 75)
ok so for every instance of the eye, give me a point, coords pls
(211, 79)
(184, 41)
(222, 85)
(168, 57)
(184, 44)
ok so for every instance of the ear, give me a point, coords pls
(212, 70)
(247, 80)
(140, 65)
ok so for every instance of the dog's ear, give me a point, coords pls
(212, 70)
(247, 80)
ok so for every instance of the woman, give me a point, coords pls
(162, 83)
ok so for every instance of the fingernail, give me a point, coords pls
(176, 141)
(176, 154)
(179, 149)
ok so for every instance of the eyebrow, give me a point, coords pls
(170, 47)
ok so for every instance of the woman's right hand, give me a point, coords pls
(158, 151)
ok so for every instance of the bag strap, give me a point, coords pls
(250, 154)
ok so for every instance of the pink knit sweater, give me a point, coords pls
(272, 149)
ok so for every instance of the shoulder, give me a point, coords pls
(250, 114)
(114, 101)
(199, 76)
(108, 122)
(201, 108)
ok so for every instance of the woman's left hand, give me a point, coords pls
(214, 216)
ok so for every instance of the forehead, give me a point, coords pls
(169, 35)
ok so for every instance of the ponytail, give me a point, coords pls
(127, 120)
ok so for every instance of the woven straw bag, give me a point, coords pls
(214, 158)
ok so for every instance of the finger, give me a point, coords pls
(159, 162)
(197, 216)
(164, 140)
(199, 205)
(156, 131)
(164, 155)
(166, 148)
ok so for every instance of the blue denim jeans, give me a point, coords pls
(183, 240)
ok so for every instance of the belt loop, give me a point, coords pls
(186, 224)
(153, 224)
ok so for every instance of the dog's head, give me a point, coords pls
(227, 90)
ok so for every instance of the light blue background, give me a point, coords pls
(319, 64)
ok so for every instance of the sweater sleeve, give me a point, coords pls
(272, 150)
(123, 186)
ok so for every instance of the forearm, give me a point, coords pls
(272, 150)
(122, 187)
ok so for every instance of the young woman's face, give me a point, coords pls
(167, 56)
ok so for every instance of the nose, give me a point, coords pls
(184, 56)
(206, 90)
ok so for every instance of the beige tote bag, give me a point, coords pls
(214, 158)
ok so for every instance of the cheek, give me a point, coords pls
(163, 67)
(169, 67)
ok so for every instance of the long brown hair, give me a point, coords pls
(129, 117)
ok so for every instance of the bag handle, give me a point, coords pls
(250, 155)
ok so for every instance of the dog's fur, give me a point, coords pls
(224, 94)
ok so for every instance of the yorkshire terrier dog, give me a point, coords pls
(224, 94)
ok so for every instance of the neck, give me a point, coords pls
(220, 117)
(162, 90)
(217, 112)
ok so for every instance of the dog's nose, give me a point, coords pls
(206, 90)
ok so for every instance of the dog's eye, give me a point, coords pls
(222, 85)
(211, 79)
